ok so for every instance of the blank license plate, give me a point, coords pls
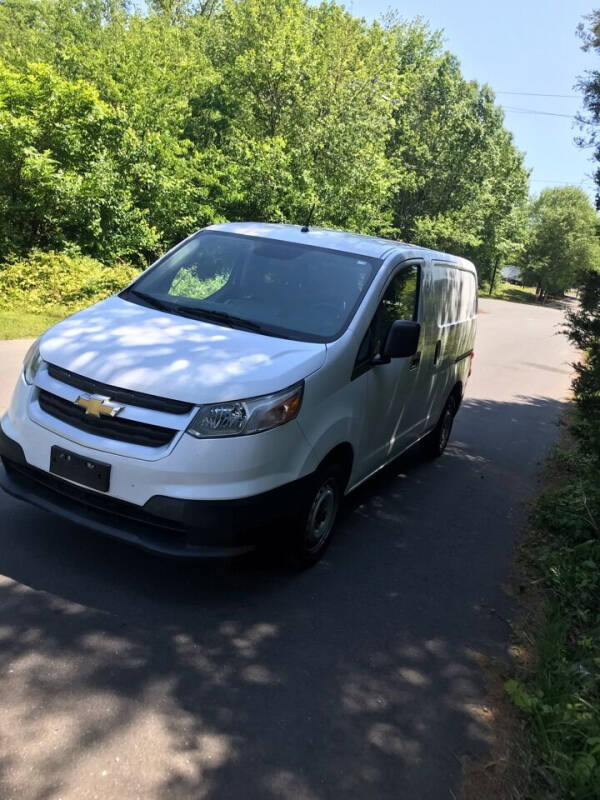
(69, 465)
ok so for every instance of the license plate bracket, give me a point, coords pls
(86, 471)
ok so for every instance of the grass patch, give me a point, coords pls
(23, 323)
(45, 287)
(508, 291)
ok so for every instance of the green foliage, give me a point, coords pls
(62, 169)
(562, 698)
(589, 85)
(121, 131)
(584, 332)
(459, 183)
(563, 244)
(49, 279)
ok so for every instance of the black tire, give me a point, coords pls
(434, 444)
(312, 527)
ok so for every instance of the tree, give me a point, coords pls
(459, 183)
(62, 170)
(563, 244)
(589, 84)
(299, 112)
(584, 331)
(244, 109)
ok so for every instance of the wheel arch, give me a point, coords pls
(457, 393)
(342, 454)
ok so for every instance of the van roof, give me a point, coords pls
(346, 241)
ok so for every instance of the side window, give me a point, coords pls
(400, 301)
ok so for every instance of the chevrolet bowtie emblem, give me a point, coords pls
(96, 406)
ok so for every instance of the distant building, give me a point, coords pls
(512, 275)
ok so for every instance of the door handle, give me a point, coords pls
(415, 361)
(436, 355)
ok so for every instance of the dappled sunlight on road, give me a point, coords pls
(154, 710)
(358, 678)
(161, 678)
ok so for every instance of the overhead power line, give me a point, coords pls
(567, 183)
(542, 94)
(516, 110)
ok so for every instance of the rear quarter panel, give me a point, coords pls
(452, 311)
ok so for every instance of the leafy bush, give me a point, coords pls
(66, 279)
(584, 331)
(562, 697)
(65, 172)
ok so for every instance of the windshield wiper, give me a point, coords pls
(197, 313)
(223, 316)
(152, 301)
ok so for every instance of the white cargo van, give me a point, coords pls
(255, 373)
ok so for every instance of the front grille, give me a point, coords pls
(123, 430)
(119, 395)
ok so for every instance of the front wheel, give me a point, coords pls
(313, 528)
(435, 442)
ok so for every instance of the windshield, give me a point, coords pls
(279, 288)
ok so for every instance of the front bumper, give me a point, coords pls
(165, 525)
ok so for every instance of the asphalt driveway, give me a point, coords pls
(12, 353)
(125, 676)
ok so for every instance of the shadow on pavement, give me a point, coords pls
(240, 679)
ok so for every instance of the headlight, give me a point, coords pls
(32, 362)
(242, 417)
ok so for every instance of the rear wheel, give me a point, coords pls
(313, 526)
(435, 442)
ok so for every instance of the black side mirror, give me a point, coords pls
(402, 341)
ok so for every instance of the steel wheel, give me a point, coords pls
(321, 516)
(315, 522)
(446, 427)
(434, 443)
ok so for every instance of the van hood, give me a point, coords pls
(146, 350)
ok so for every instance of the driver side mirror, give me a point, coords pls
(402, 341)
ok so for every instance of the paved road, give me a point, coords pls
(124, 676)
(11, 358)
